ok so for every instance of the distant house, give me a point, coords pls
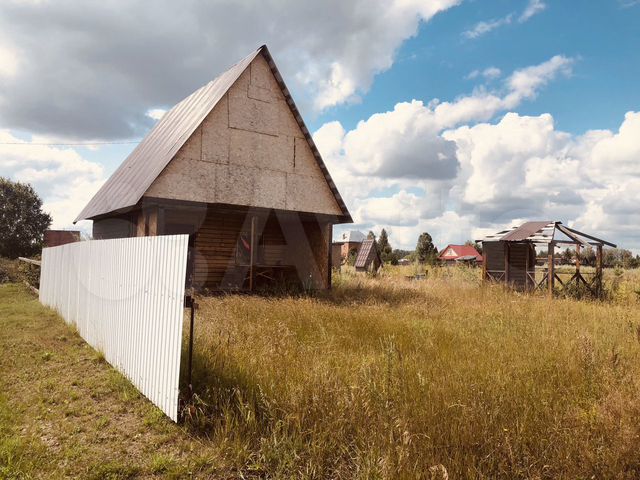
(456, 254)
(368, 259)
(233, 166)
(349, 244)
(55, 238)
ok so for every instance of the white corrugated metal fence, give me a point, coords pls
(126, 298)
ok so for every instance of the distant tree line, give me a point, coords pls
(425, 252)
(611, 257)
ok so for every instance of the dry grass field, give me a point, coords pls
(386, 378)
(380, 378)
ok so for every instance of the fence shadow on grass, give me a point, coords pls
(224, 396)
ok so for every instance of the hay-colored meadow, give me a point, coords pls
(380, 378)
(389, 378)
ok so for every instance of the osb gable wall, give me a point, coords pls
(249, 151)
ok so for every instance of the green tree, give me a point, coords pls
(384, 248)
(426, 251)
(371, 235)
(22, 221)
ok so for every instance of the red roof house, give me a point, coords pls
(459, 254)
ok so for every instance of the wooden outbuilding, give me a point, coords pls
(234, 166)
(348, 245)
(510, 256)
(368, 259)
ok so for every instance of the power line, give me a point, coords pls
(70, 144)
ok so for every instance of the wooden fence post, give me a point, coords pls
(551, 270)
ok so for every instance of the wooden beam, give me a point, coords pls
(506, 262)
(28, 260)
(141, 223)
(598, 278)
(526, 269)
(252, 251)
(551, 275)
(571, 235)
(152, 222)
(329, 242)
(578, 258)
(591, 237)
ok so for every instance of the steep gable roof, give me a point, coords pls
(132, 179)
(451, 252)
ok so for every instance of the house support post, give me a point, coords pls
(192, 305)
(551, 261)
(527, 280)
(252, 252)
(578, 276)
(329, 241)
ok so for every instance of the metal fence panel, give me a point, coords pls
(126, 298)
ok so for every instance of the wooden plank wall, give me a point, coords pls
(494, 255)
(215, 265)
(518, 264)
(119, 226)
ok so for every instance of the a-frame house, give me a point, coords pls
(234, 166)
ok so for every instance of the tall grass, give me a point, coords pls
(389, 378)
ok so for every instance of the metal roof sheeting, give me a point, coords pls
(366, 253)
(526, 230)
(132, 179)
(544, 232)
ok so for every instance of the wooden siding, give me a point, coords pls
(493, 255)
(518, 264)
(519, 254)
(119, 226)
(285, 252)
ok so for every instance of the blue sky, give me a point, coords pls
(602, 35)
(456, 117)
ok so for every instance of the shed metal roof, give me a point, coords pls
(132, 179)
(545, 232)
(366, 253)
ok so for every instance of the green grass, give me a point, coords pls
(380, 378)
(65, 413)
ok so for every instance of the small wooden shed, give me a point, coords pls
(368, 258)
(232, 165)
(510, 256)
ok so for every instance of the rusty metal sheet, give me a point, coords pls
(524, 231)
